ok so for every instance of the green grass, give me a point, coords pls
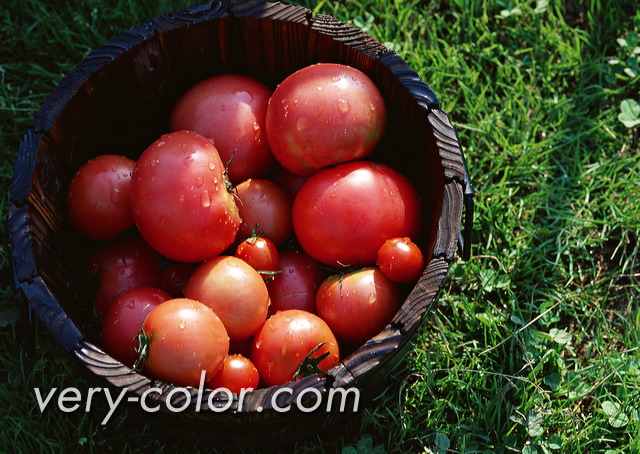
(533, 345)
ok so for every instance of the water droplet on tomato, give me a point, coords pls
(343, 105)
(187, 160)
(283, 350)
(212, 166)
(302, 123)
(115, 195)
(372, 107)
(155, 162)
(206, 199)
(160, 144)
(181, 197)
(256, 126)
(182, 324)
(288, 336)
(131, 304)
(320, 87)
(116, 321)
(372, 298)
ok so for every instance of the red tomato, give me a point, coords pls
(284, 342)
(358, 305)
(124, 319)
(184, 338)
(322, 115)
(179, 199)
(176, 277)
(342, 215)
(119, 278)
(237, 373)
(401, 260)
(265, 204)
(261, 253)
(295, 287)
(234, 290)
(231, 110)
(121, 251)
(98, 197)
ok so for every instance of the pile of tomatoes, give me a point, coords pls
(253, 239)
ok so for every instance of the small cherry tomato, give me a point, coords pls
(237, 373)
(98, 200)
(401, 260)
(284, 342)
(123, 321)
(359, 304)
(184, 338)
(261, 253)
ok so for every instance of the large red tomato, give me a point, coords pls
(358, 305)
(179, 198)
(230, 109)
(342, 215)
(296, 285)
(98, 197)
(234, 290)
(322, 115)
(284, 342)
(184, 337)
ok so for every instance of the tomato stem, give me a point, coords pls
(309, 365)
(142, 349)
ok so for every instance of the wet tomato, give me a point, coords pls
(237, 373)
(401, 260)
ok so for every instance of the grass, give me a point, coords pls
(533, 345)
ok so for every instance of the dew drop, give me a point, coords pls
(372, 298)
(335, 79)
(155, 162)
(302, 123)
(181, 197)
(288, 336)
(206, 199)
(343, 105)
(182, 324)
(115, 195)
(212, 166)
(283, 350)
(372, 107)
(199, 181)
(187, 160)
(320, 87)
(160, 144)
(256, 127)
(116, 321)
(131, 304)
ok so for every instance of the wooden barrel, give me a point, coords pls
(118, 100)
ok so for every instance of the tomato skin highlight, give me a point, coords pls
(234, 290)
(285, 340)
(401, 260)
(322, 115)
(342, 215)
(231, 110)
(98, 201)
(179, 199)
(123, 321)
(359, 304)
(185, 337)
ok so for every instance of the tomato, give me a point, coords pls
(183, 338)
(401, 260)
(234, 290)
(284, 342)
(120, 278)
(231, 110)
(359, 304)
(342, 215)
(322, 115)
(118, 252)
(179, 198)
(287, 180)
(98, 197)
(261, 253)
(267, 206)
(237, 373)
(124, 319)
(295, 287)
(176, 277)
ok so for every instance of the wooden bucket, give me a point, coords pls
(118, 101)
